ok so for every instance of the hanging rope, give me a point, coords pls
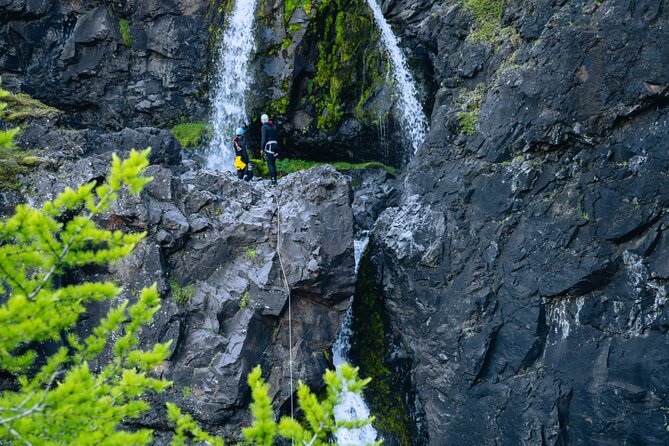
(290, 316)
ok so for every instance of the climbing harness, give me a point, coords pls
(271, 145)
(290, 316)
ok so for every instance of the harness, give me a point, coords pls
(270, 144)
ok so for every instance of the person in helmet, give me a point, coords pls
(242, 161)
(269, 146)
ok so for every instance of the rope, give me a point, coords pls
(290, 316)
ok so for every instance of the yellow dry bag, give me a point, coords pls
(239, 164)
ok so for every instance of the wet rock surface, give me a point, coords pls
(111, 65)
(524, 270)
(212, 246)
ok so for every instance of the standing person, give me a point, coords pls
(242, 162)
(270, 145)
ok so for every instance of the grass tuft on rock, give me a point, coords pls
(287, 166)
(182, 294)
(124, 27)
(20, 107)
(488, 16)
(14, 162)
(470, 103)
(190, 134)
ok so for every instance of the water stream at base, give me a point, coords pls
(231, 84)
(412, 118)
(414, 125)
(352, 406)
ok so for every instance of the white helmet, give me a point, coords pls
(264, 119)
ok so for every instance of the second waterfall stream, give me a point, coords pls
(229, 111)
(352, 405)
(412, 118)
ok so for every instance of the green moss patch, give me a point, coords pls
(21, 107)
(190, 134)
(11, 166)
(291, 5)
(124, 27)
(488, 16)
(18, 108)
(287, 166)
(369, 351)
(348, 69)
(182, 294)
(470, 103)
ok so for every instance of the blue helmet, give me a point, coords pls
(239, 131)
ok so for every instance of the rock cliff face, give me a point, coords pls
(524, 274)
(514, 292)
(319, 68)
(213, 245)
(110, 64)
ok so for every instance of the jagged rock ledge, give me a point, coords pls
(211, 246)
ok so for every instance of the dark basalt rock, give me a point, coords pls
(66, 145)
(214, 239)
(524, 271)
(374, 189)
(72, 55)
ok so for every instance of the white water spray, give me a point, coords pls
(231, 84)
(412, 117)
(352, 405)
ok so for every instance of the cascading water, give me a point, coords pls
(412, 118)
(352, 405)
(232, 82)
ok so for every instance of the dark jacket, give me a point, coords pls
(240, 148)
(269, 133)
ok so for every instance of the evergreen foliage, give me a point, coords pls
(64, 399)
(318, 424)
(187, 429)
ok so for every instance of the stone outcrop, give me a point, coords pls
(109, 65)
(524, 273)
(213, 246)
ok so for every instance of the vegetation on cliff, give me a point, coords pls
(369, 350)
(190, 134)
(348, 69)
(16, 108)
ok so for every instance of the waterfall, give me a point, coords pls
(231, 84)
(412, 118)
(352, 406)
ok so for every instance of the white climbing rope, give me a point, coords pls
(290, 316)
